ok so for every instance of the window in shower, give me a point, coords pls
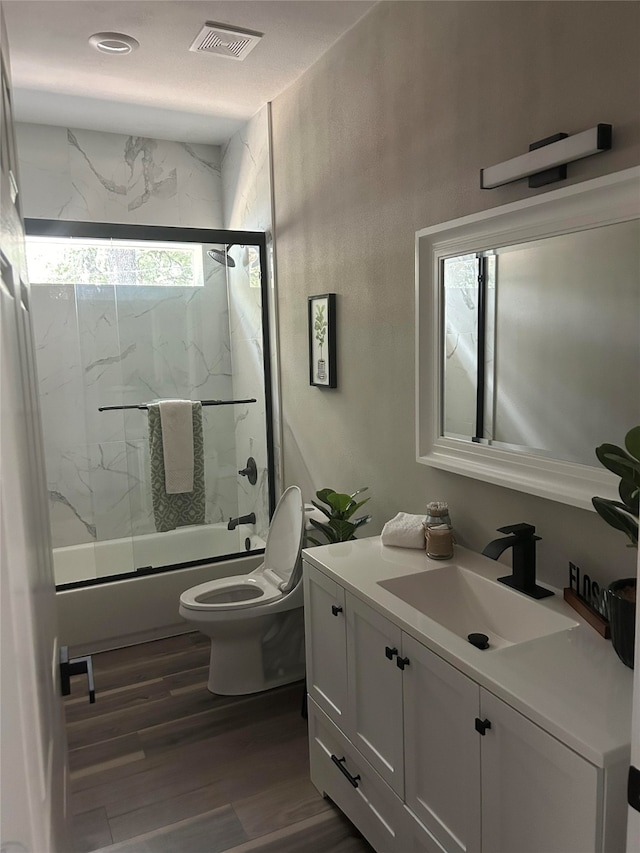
(123, 316)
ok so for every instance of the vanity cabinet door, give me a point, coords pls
(442, 750)
(537, 794)
(374, 722)
(326, 647)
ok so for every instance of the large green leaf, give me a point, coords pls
(360, 491)
(323, 493)
(632, 442)
(321, 508)
(354, 508)
(611, 513)
(344, 529)
(328, 531)
(619, 462)
(339, 502)
(630, 494)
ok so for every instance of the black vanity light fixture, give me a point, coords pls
(547, 159)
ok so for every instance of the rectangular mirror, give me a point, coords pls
(528, 338)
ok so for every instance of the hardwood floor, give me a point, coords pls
(160, 765)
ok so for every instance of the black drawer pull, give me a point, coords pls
(402, 662)
(335, 609)
(338, 762)
(390, 652)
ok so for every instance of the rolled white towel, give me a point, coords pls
(404, 531)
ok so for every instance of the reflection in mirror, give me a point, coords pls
(528, 339)
(542, 343)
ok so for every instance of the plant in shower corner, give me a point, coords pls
(341, 507)
(625, 463)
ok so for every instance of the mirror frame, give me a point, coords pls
(603, 201)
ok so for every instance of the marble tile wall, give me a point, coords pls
(101, 346)
(84, 175)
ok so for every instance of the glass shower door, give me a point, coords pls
(141, 323)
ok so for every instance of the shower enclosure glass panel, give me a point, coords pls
(125, 321)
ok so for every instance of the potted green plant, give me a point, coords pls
(622, 515)
(339, 509)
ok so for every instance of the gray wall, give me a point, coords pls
(385, 135)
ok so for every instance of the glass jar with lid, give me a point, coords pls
(438, 531)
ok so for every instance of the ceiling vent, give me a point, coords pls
(224, 41)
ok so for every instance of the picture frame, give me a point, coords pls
(322, 340)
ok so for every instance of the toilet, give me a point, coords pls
(255, 621)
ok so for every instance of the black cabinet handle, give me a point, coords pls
(402, 662)
(335, 609)
(390, 652)
(339, 764)
(482, 726)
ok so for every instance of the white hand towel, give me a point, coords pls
(404, 531)
(177, 445)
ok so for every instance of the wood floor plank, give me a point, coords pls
(112, 722)
(230, 713)
(192, 739)
(328, 832)
(279, 805)
(178, 680)
(212, 832)
(118, 699)
(142, 670)
(131, 655)
(91, 830)
(163, 813)
(160, 765)
(98, 753)
(230, 757)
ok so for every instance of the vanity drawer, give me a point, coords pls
(367, 800)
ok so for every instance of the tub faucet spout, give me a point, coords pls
(523, 542)
(243, 519)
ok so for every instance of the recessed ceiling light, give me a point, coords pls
(114, 43)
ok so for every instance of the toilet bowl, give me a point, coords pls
(255, 621)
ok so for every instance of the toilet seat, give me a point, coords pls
(276, 577)
(233, 593)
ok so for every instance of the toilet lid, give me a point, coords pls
(284, 540)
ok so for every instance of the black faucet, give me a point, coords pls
(523, 542)
(244, 519)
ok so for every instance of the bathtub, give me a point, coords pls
(142, 607)
(94, 560)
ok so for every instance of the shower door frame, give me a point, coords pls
(167, 233)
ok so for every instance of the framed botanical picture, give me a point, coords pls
(322, 340)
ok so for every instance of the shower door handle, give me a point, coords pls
(75, 666)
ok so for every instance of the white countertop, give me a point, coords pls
(571, 683)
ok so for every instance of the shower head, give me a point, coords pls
(221, 256)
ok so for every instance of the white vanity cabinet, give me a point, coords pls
(430, 760)
(326, 645)
(442, 762)
(537, 794)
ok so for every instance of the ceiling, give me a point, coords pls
(162, 90)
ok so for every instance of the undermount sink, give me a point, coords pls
(465, 602)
